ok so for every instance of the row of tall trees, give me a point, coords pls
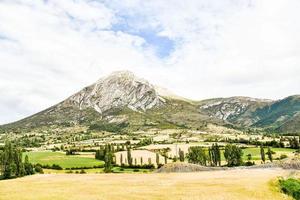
(232, 154)
(11, 162)
(294, 142)
(263, 154)
(214, 154)
(199, 155)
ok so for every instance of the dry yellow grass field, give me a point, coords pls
(232, 184)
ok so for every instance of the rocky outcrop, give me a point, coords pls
(233, 109)
(118, 90)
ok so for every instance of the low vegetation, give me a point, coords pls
(291, 187)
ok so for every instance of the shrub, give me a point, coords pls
(159, 165)
(38, 168)
(248, 163)
(57, 167)
(136, 170)
(82, 171)
(291, 187)
(283, 156)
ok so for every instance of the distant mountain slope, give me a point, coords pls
(124, 102)
(282, 115)
(236, 110)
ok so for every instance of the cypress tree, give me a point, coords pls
(269, 153)
(157, 159)
(108, 158)
(262, 154)
(129, 158)
(121, 159)
(181, 155)
(28, 166)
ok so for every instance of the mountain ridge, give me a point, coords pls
(132, 102)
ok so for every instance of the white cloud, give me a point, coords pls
(51, 49)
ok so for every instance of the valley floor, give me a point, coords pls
(232, 184)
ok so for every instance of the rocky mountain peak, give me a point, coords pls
(118, 90)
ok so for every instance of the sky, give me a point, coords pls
(50, 49)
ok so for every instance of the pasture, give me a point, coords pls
(61, 159)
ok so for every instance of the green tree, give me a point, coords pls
(181, 155)
(28, 166)
(197, 155)
(11, 161)
(121, 159)
(233, 155)
(129, 157)
(249, 157)
(108, 158)
(269, 153)
(142, 161)
(157, 159)
(262, 154)
(20, 171)
(214, 155)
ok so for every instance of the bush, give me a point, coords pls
(159, 165)
(136, 170)
(283, 156)
(249, 163)
(82, 171)
(69, 172)
(57, 167)
(291, 187)
(146, 166)
(54, 166)
(38, 168)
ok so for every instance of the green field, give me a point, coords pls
(255, 153)
(59, 158)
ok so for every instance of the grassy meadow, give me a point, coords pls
(61, 159)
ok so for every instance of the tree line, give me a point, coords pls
(12, 165)
(232, 154)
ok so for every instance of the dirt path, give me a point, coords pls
(233, 185)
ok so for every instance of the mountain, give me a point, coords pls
(282, 115)
(236, 110)
(120, 89)
(118, 102)
(122, 102)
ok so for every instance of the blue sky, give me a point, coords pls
(198, 49)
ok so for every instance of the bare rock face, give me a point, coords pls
(233, 109)
(118, 90)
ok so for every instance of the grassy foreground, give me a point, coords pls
(61, 159)
(232, 184)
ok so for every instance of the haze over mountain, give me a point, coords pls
(124, 102)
